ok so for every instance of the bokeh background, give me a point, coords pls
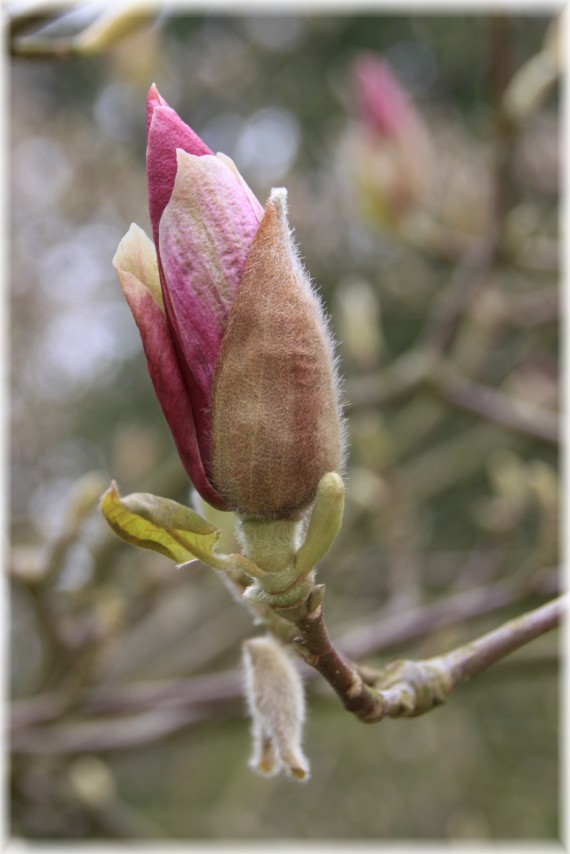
(128, 717)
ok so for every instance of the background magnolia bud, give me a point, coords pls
(275, 695)
(389, 145)
(276, 424)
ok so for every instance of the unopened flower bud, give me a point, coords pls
(389, 145)
(275, 695)
(236, 342)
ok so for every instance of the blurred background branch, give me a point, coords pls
(44, 31)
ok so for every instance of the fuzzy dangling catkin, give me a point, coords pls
(276, 702)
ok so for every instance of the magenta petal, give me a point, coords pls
(134, 266)
(166, 133)
(206, 232)
(153, 99)
(380, 98)
(169, 385)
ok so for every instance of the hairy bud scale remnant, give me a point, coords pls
(276, 429)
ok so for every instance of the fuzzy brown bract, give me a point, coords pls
(276, 424)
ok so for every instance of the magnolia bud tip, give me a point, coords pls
(154, 97)
(277, 193)
(278, 198)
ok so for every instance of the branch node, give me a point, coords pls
(356, 688)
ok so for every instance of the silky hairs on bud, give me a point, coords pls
(276, 423)
(276, 702)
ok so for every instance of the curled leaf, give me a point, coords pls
(162, 525)
(325, 522)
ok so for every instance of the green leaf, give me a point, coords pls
(162, 525)
(325, 522)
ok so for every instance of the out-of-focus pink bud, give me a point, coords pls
(390, 147)
(236, 344)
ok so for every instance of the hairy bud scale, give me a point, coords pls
(276, 427)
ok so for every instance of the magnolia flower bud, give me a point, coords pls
(236, 343)
(275, 696)
(276, 429)
(389, 144)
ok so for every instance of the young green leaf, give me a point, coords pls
(162, 525)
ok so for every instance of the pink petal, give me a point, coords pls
(136, 255)
(254, 202)
(381, 100)
(206, 232)
(139, 283)
(153, 99)
(166, 133)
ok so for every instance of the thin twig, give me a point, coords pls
(396, 380)
(220, 691)
(419, 368)
(410, 688)
(102, 735)
(209, 691)
(500, 74)
(469, 276)
(36, 710)
(404, 688)
(493, 405)
(383, 632)
(464, 662)
(453, 459)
